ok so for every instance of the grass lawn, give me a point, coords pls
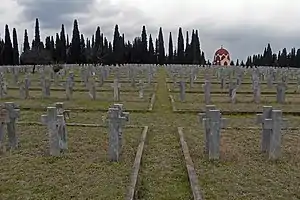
(84, 172)
(243, 172)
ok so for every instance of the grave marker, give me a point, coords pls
(272, 124)
(56, 129)
(116, 87)
(116, 119)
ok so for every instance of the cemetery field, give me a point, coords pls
(156, 161)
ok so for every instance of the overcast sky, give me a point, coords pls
(243, 27)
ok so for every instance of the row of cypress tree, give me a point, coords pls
(98, 49)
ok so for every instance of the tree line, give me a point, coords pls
(282, 59)
(60, 48)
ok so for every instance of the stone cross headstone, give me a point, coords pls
(46, 83)
(216, 123)
(116, 119)
(206, 125)
(9, 113)
(182, 90)
(256, 91)
(141, 89)
(56, 127)
(92, 90)
(207, 91)
(69, 88)
(116, 87)
(266, 133)
(281, 90)
(272, 126)
(192, 77)
(269, 81)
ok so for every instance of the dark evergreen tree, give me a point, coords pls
(152, 59)
(37, 38)
(170, 56)
(16, 56)
(26, 46)
(197, 53)
(63, 45)
(8, 49)
(75, 46)
(48, 43)
(57, 51)
(203, 59)
(117, 46)
(161, 48)
(282, 58)
(82, 50)
(180, 47)
(292, 58)
(188, 50)
(144, 45)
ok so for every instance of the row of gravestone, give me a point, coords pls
(55, 120)
(271, 136)
(280, 95)
(69, 84)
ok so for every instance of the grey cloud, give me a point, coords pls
(241, 40)
(107, 15)
(53, 13)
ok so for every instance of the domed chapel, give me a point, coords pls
(221, 57)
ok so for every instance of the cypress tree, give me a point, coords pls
(26, 46)
(197, 48)
(8, 50)
(82, 50)
(97, 40)
(68, 42)
(63, 45)
(171, 56)
(180, 47)
(144, 45)
(203, 59)
(37, 38)
(75, 46)
(161, 48)
(151, 51)
(57, 51)
(116, 45)
(193, 49)
(292, 58)
(15, 48)
(96, 44)
(187, 46)
(48, 43)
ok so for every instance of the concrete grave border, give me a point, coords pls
(193, 178)
(74, 124)
(136, 166)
